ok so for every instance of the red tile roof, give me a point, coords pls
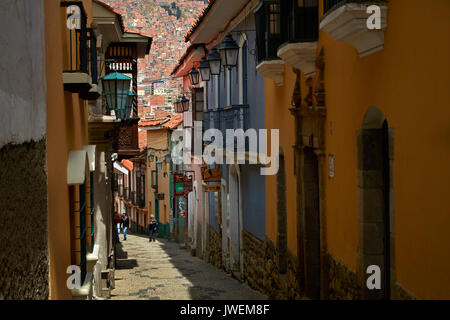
(174, 122)
(164, 119)
(152, 122)
(199, 20)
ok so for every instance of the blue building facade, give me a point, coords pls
(233, 104)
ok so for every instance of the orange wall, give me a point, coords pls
(66, 130)
(58, 198)
(408, 82)
(158, 139)
(278, 116)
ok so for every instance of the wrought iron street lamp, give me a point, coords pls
(194, 76)
(215, 62)
(205, 70)
(181, 105)
(176, 104)
(116, 87)
(184, 104)
(229, 51)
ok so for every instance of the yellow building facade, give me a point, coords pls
(158, 182)
(67, 120)
(378, 145)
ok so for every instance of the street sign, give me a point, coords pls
(210, 175)
(178, 181)
(212, 187)
(188, 184)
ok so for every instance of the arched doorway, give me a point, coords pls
(312, 223)
(235, 222)
(226, 237)
(192, 216)
(375, 188)
(282, 215)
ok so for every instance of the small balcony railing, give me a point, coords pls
(80, 73)
(268, 30)
(300, 21)
(232, 117)
(330, 5)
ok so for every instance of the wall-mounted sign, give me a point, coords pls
(212, 187)
(210, 175)
(331, 165)
(178, 182)
(188, 184)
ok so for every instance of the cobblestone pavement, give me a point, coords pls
(162, 271)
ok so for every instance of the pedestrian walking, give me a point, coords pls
(153, 228)
(125, 225)
(117, 221)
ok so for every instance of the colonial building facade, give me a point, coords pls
(340, 78)
(65, 148)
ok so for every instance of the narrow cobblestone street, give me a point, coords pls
(162, 271)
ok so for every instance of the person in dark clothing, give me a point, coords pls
(153, 226)
(125, 226)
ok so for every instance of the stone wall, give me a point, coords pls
(254, 262)
(344, 283)
(400, 293)
(280, 286)
(24, 225)
(215, 248)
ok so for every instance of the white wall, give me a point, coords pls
(22, 71)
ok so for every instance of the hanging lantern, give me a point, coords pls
(151, 157)
(215, 63)
(205, 70)
(159, 165)
(229, 52)
(116, 87)
(194, 76)
(178, 107)
(168, 158)
(184, 104)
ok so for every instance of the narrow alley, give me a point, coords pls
(162, 271)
